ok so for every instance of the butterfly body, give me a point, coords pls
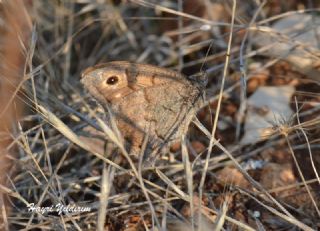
(145, 99)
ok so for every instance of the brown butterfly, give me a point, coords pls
(145, 99)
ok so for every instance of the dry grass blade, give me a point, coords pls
(189, 179)
(215, 122)
(222, 216)
(65, 130)
(173, 185)
(287, 218)
(155, 221)
(106, 184)
(302, 177)
(308, 144)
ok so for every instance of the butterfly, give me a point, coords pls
(145, 99)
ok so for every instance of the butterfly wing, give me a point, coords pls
(144, 98)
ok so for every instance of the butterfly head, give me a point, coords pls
(200, 79)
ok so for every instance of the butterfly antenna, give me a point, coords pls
(205, 58)
(205, 73)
